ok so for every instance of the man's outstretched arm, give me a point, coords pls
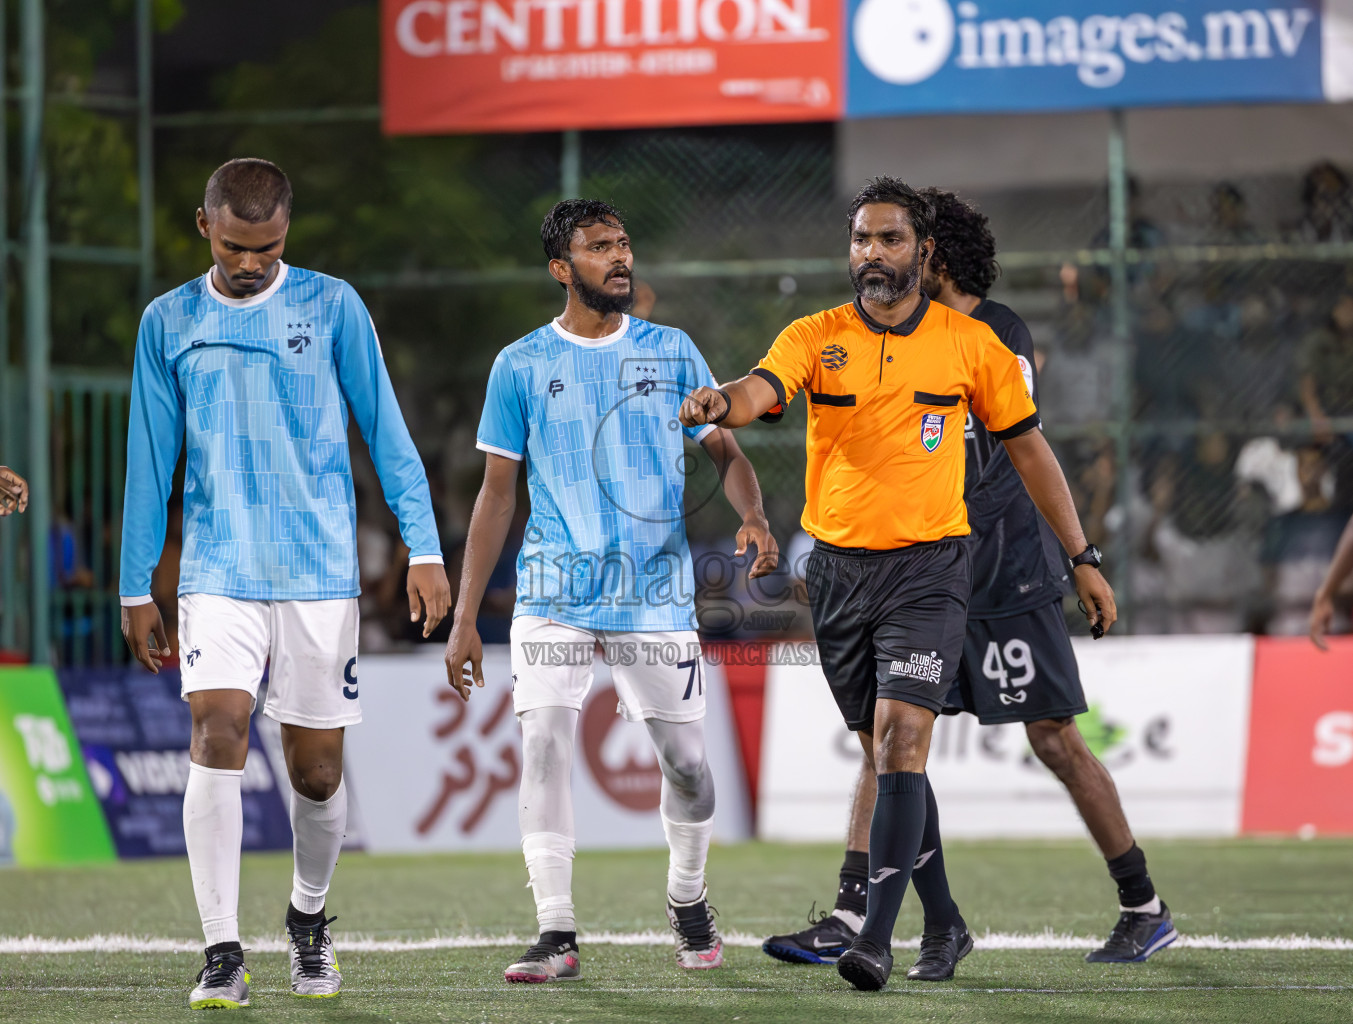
(743, 491)
(489, 525)
(1046, 484)
(1322, 608)
(733, 405)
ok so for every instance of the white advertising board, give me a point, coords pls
(1169, 717)
(433, 773)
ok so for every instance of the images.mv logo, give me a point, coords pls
(905, 42)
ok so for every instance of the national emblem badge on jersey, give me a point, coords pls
(932, 430)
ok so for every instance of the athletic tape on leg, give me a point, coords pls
(549, 868)
(689, 845)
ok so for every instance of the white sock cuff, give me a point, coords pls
(193, 766)
(688, 829)
(548, 844)
(1151, 907)
(316, 808)
(221, 929)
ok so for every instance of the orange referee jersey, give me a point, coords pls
(886, 415)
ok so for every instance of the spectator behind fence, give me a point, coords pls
(13, 492)
(1297, 547)
(1327, 206)
(1268, 465)
(1230, 224)
(1202, 559)
(1325, 366)
(376, 545)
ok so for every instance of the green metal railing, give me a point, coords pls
(85, 406)
(85, 414)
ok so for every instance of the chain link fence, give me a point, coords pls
(1210, 449)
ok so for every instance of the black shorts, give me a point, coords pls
(1020, 669)
(889, 623)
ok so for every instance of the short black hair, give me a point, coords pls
(964, 246)
(567, 217)
(253, 189)
(920, 210)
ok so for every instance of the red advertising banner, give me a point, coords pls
(1300, 767)
(452, 66)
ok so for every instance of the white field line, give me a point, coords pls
(991, 941)
(562, 991)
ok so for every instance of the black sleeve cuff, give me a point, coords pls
(777, 413)
(1022, 427)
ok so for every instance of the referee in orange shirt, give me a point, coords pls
(890, 380)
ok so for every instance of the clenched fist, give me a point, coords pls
(704, 405)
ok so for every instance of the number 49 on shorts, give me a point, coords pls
(997, 664)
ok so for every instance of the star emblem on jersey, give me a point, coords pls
(299, 341)
(834, 357)
(932, 430)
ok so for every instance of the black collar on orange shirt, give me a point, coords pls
(905, 328)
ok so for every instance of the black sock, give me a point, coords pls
(559, 938)
(305, 920)
(853, 895)
(224, 947)
(1134, 884)
(928, 877)
(894, 839)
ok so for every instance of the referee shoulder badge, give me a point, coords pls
(932, 430)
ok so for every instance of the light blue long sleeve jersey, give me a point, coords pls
(260, 388)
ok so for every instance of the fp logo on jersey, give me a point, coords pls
(932, 430)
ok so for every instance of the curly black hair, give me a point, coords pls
(964, 247)
(920, 209)
(567, 217)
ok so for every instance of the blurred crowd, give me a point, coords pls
(1240, 475)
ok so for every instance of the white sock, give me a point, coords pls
(317, 829)
(213, 826)
(549, 864)
(1146, 908)
(689, 844)
(854, 920)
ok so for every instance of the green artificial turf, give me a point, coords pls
(1234, 889)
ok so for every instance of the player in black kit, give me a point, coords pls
(1017, 664)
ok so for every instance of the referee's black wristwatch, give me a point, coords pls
(1090, 556)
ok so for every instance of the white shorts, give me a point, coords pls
(656, 675)
(224, 644)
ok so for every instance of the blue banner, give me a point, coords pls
(950, 56)
(134, 730)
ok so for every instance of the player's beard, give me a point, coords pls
(891, 289)
(600, 301)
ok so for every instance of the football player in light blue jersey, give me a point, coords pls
(253, 368)
(590, 402)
